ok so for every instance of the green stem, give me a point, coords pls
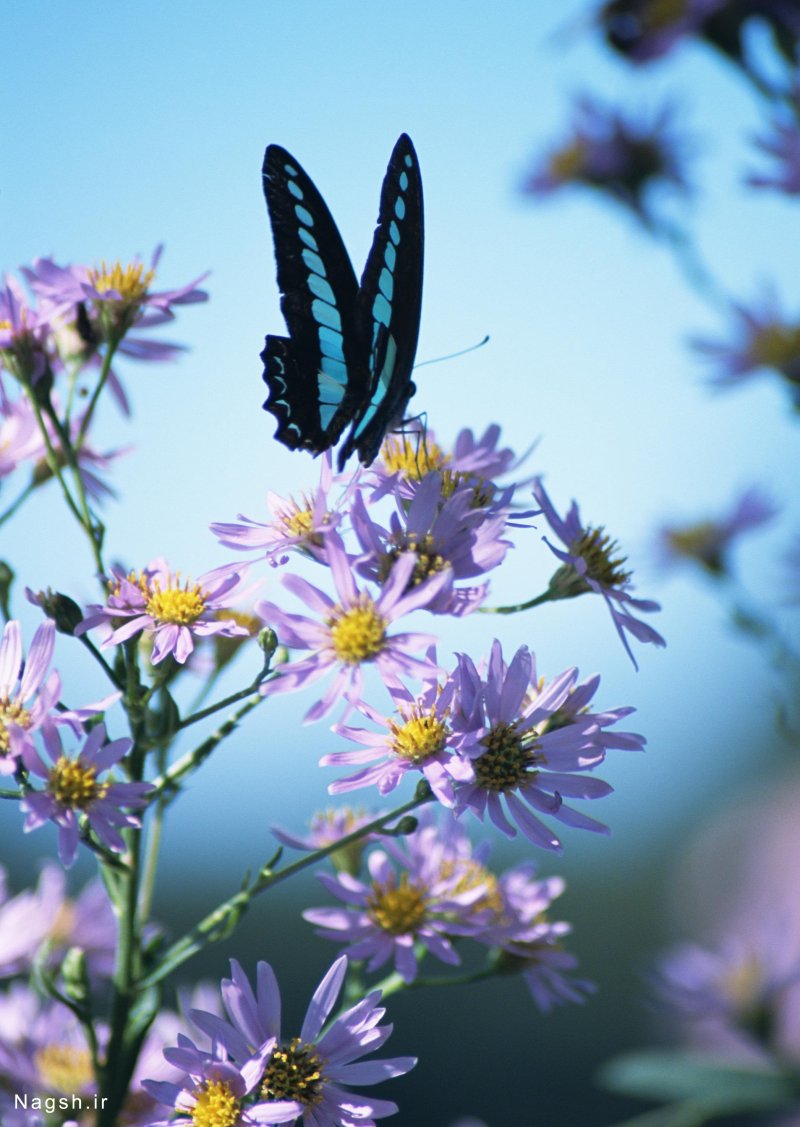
(111, 348)
(51, 456)
(153, 848)
(393, 983)
(545, 597)
(94, 528)
(109, 672)
(225, 703)
(168, 781)
(220, 922)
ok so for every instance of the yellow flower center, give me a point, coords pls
(662, 13)
(131, 281)
(216, 1105)
(482, 490)
(74, 784)
(294, 1072)
(412, 458)
(421, 736)
(778, 346)
(506, 762)
(397, 908)
(471, 875)
(698, 542)
(177, 604)
(11, 712)
(64, 1068)
(359, 633)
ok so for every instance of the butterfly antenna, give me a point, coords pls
(453, 355)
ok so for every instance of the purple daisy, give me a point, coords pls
(352, 630)
(419, 901)
(280, 1080)
(75, 793)
(30, 693)
(765, 339)
(20, 437)
(626, 159)
(299, 526)
(708, 542)
(520, 760)
(444, 531)
(24, 334)
(418, 737)
(589, 564)
(114, 299)
(169, 610)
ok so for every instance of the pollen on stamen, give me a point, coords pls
(429, 560)
(358, 633)
(597, 550)
(216, 1105)
(176, 603)
(294, 1072)
(135, 578)
(507, 762)
(131, 282)
(11, 712)
(419, 737)
(74, 784)
(397, 908)
(413, 459)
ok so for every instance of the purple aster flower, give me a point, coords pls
(269, 1079)
(43, 1047)
(628, 160)
(520, 761)
(24, 333)
(30, 693)
(352, 630)
(444, 533)
(20, 437)
(708, 542)
(75, 793)
(739, 998)
(765, 339)
(329, 826)
(643, 30)
(169, 610)
(46, 914)
(419, 737)
(416, 898)
(114, 299)
(298, 525)
(588, 563)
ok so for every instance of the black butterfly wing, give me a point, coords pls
(317, 377)
(389, 304)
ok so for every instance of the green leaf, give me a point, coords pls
(668, 1075)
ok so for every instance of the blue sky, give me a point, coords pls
(134, 125)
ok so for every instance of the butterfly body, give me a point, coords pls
(351, 346)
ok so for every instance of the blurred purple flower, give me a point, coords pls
(166, 608)
(764, 338)
(643, 30)
(23, 334)
(517, 758)
(782, 145)
(43, 1047)
(708, 542)
(20, 437)
(330, 826)
(588, 564)
(258, 1077)
(626, 159)
(351, 631)
(420, 900)
(74, 791)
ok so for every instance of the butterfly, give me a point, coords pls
(351, 346)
